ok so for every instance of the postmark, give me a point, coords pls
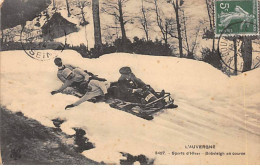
(239, 53)
(242, 12)
(40, 44)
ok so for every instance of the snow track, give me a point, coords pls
(213, 109)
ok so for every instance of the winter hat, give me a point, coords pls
(57, 60)
(66, 72)
(125, 70)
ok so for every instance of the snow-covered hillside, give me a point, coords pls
(213, 109)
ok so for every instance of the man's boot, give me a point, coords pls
(172, 106)
(162, 93)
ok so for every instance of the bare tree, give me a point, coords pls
(97, 29)
(190, 48)
(82, 4)
(165, 24)
(246, 51)
(177, 6)
(242, 48)
(143, 19)
(210, 10)
(209, 4)
(115, 9)
(235, 55)
(57, 6)
(53, 3)
(68, 8)
(111, 31)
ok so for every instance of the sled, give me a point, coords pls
(145, 111)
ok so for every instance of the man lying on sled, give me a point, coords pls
(92, 88)
(132, 89)
(78, 85)
(85, 83)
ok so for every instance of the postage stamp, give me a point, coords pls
(235, 50)
(243, 12)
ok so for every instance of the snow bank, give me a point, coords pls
(212, 107)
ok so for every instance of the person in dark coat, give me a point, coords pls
(132, 88)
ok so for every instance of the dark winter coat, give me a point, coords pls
(126, 87)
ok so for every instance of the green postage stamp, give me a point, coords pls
(236, 17)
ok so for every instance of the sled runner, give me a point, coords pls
(145, 111)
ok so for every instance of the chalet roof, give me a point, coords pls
(57, 19)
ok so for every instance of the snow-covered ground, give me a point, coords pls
(213, 108)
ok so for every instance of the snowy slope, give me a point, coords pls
(213, 109)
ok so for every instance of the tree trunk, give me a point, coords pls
(53, 3)
(68, 8)
(213, 44)
(210, 20)
(212, 29)
(83, 16)
(147, 34)
(235, 55)
(97, 29)
(246, 50)
(145, 24)
(185, 34)
(122, 24)
(159, 21)
(2, 38)
(176, 8)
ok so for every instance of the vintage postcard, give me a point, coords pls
(130, 82)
